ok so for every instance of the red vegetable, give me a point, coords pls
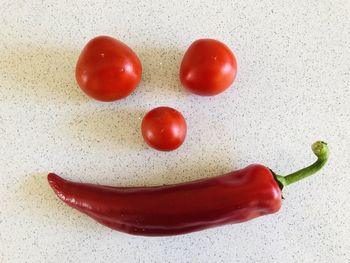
(107, 69)
(164, 128)
(208, 67)
(178, 209)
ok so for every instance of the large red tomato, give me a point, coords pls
(164, 128)
(107, 69)
(208, 67)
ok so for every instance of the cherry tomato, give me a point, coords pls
(164, 128)
(107, 69)
(208, 67)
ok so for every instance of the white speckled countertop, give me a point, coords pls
(292, 88)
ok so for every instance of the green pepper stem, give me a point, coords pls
(320, 149)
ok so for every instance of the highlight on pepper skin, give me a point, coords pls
(175, 209)
(182, 208)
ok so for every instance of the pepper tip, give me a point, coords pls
(55, 181)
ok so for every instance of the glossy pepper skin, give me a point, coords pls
(182, 208)
(176, 209)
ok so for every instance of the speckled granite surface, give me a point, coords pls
(292, 88)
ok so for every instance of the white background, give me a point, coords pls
(292, 89)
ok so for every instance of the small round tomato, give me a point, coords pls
(208, 67)
(107, 69)
(164, 128)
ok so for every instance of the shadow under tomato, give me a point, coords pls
(161, 67)
(43, 73)
(49, 72)
(119, 128)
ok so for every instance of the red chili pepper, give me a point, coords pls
(182, 208)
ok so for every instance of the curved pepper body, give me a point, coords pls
(176, 209)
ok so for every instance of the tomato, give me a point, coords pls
(208, 67)
(107, 69)
(164, 128)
